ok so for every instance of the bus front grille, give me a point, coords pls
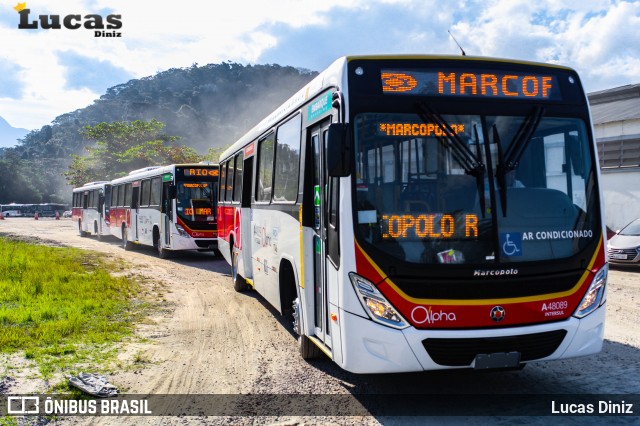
(462, 352)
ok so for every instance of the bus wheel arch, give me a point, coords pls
(291, 308)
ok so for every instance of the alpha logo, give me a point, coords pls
(421, 315)
(93, 22)
(497, 313)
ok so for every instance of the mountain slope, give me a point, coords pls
(206, 106)
(9, 134)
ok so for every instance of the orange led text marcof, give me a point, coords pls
(525, 86)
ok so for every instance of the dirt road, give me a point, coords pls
(208, 339)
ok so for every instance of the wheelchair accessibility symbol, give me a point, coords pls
(511, 244)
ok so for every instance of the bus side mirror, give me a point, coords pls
(172, 192)
(338, 153)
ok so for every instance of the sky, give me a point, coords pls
(48, 72)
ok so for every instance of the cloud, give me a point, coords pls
(393, 28)
(598, 38)
(10, 84)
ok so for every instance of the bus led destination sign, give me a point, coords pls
(471, 83)
(441, 226)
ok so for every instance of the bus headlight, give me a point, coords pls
(595, 296)
(375, 304)
(182, 232)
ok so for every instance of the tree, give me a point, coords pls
(120, 147)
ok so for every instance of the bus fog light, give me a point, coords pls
(375, 304)
(595, 295)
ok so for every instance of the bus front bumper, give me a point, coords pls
(368, 347)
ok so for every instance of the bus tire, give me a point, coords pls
(82, 233)
(308, 349)
(163, 253)
(239, 283)
(126, 244)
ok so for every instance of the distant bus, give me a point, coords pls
(12, 210)
(170, 208)
(29, 210)
(415, 213)
(90, 210)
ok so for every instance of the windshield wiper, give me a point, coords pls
(470, 162)
(509, 161)
(480, 182)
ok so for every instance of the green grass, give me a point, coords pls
(61, 306)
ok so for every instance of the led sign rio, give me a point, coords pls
(485, 84)
(201, 172)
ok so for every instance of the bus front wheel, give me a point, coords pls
(163, 253)
(239, 283)
(126, 244)
(308, 349)
(82, 233)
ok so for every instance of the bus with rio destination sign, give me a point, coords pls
(414, 213)
(170, 208)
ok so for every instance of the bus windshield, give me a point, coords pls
(474, 189)
(196, 201)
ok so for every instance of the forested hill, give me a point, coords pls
(206, 106)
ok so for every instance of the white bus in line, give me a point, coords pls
(168, 207)
(422, 212)
(89, 210)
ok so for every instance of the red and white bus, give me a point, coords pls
(170, 208)
(420, 212)
(89, 209)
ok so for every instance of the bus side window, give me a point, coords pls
(156, 189)
(145, 192)
(222, 181)
(237, 190)
(287, 167)
(264, 177)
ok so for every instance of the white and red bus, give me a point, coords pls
(89, 209)
(419, 213)
(170, 208)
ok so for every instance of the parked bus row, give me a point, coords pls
(170, 208)
(418, 213)
(406, 213)
(30, 210)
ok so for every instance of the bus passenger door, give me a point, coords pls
(320, 223)
(135, 210)
(244, 264)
